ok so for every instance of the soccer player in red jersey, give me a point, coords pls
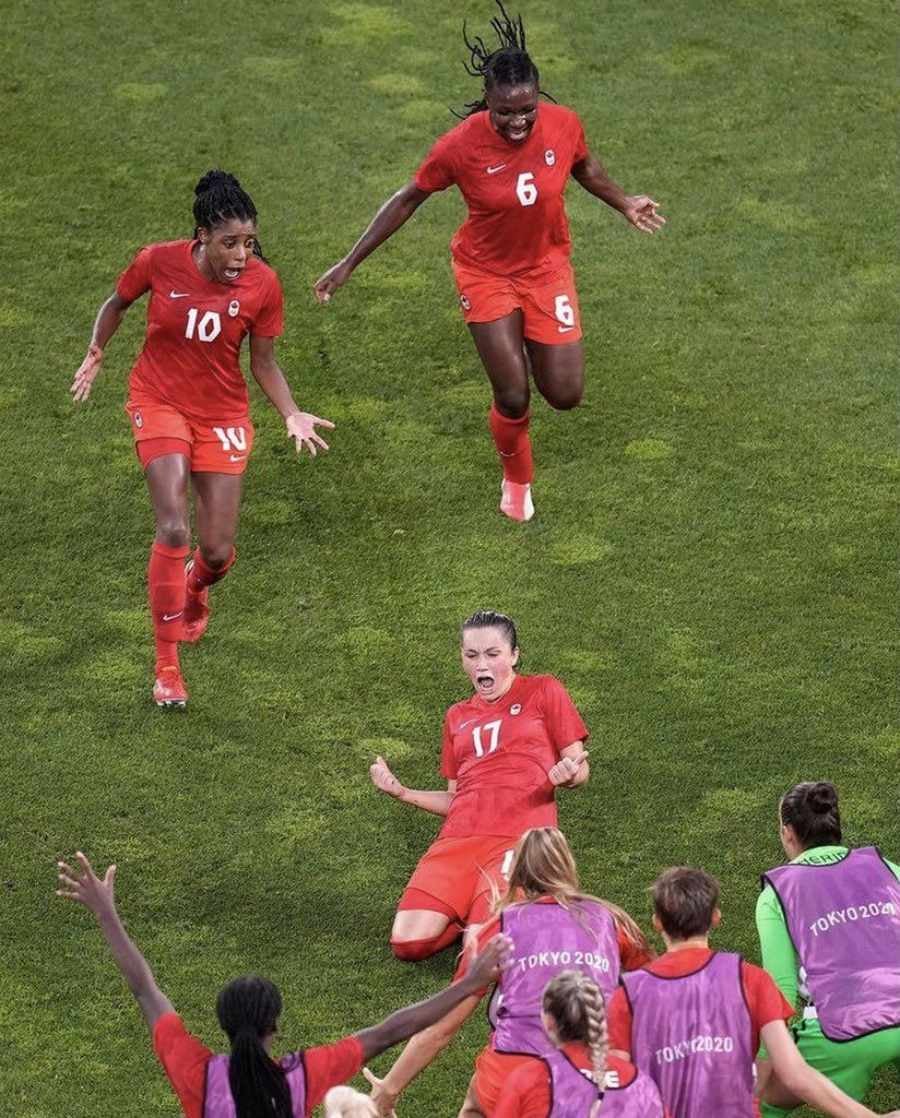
(553, 926)
(249, 1080)
(511, 158)
(505, 752)
(188, 400)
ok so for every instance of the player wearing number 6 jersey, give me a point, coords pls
(504, 753)
(511, 158)
(188, 400)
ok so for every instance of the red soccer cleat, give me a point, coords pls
(169, 689)
(515, 501)
(196, 609)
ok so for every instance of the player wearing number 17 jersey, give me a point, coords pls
(188, 401)
(511, 158)
(505, 751)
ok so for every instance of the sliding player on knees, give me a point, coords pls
(511, 158)
(693, 1018)
(188, 401)
(580, 1078)
(832, 916)
(505, 752)
(553, 926)
(248, 1081)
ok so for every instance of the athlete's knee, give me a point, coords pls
(511, 401)
(173, 531)
(414, 950)
(564, 397)
(217, 555)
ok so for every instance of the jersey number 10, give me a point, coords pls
(207, 329)
(492, 729)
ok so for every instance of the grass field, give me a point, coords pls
(710, 570)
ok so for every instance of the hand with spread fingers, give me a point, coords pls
(89, 890)
(640, 211)
(87, 372)
(301, 427)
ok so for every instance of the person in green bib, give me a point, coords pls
(829, 932)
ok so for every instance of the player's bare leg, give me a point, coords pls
(167, 482)
(470, 1107)
(418, 933)
(217, 499)
(500, 346)
(558, 372)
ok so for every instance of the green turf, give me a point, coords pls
(709, 570)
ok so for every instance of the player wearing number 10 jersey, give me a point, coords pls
(188, 400)
(511, 158)
(504, 753)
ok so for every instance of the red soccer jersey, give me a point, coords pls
(514, 192)
(499, 754)
(184, 1058)
(765, 1002)
(195, 328)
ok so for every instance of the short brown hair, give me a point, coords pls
(685, 899)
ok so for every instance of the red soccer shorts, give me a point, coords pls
(549, 305)
(492, 1069)
(460, 873)
(221, 448)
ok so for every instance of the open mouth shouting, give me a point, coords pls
(484, 682)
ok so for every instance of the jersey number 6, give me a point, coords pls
(526, 191)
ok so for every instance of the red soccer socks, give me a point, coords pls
(165, 582)
(513, 445)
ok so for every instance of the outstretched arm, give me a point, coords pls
(107, 322)
(638, 210)
(301, 425)
(97, 895)
(396, 211)
(415, 1018)
(438, 803)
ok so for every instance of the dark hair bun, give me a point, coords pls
(216, 178)
(822, 797)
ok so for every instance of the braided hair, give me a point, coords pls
(248, 1009)
(508, 64)
(219, 197)
(577, 1008)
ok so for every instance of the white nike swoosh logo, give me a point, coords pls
(467, 722)
(494, 170)
(172, 616)
(178, 294)
(236, 457)
(564, 329)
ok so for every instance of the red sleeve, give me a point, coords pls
(632, 955)
(564, 723)
(526, 1093)
(474, 947)
(581, 148)
(765, 1001)
(135, 280)
(269, 321)
(618, 1021)
(448, 760)
(330, 1065)
(184, 1058)
(437, 170)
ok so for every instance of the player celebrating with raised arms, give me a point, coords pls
(553, 926)
(188, 401)
(511, 158)
(248, 1083)
(570, 1081)
(693, 1018)
(829, 930)
(505, 752)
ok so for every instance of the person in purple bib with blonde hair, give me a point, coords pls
(693, 1018)
(829, 930)
(564, 1082)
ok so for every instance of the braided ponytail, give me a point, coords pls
(579, 1012)
(248, 1009)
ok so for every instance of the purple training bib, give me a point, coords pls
(844, 920)
(574, 1092)
(547, 939)
(218, 1101)
(694, 1037)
